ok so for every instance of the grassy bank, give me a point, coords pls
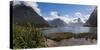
(27, 36)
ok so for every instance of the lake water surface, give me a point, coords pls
(74, 29)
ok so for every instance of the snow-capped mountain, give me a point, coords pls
(76, 22)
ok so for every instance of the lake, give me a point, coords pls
(73, 29)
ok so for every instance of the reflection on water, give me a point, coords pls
(72, 29)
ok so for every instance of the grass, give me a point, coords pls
(27, 37)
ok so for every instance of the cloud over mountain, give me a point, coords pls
(34, 5)
(68, 18)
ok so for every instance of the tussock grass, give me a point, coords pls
(27, 37)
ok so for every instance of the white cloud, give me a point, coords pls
(78, 14)
(54, 14)
(68, 18)
(83, 17)
(49, 18)
(32, 4)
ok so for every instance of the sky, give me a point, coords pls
(66, 12)
(64, 9)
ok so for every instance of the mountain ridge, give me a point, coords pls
(24, 14)
(92, 21)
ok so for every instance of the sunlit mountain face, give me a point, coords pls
(69, 13)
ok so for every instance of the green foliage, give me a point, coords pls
(27, 37)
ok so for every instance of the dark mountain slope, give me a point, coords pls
(24, 14)
(92, 21)
(57, 22)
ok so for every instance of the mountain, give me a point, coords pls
(78, 22)
(23, 14)
(57, 22)
(92, 21)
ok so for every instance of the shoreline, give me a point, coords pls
(70, 39)
(70, 42)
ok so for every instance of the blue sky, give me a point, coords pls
(63, 9)
(66, 12)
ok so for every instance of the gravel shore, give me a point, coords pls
(70, 42)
